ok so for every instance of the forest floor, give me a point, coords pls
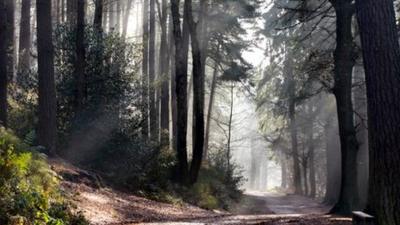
(105, 206)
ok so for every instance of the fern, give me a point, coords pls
(30, 138)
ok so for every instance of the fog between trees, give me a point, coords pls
(206, 99)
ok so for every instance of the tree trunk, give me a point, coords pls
(173, 105)
(145, 71)
(24, 62)
(58, 10)
(164, 70)
(98, 15)
(80, 57)
(293, 129)
(360, 115)
(284, 176)
(381, 54)
(305, 177)
(111, 16)
(181, 91)
(332, 162)
(344, 60)
(311, 155)
(47, 131)
(203, 34)
(152, 73)
(105, 15)
(125, 23)
(62, 11)
(3, 64)
(71, 11)
(228, 152)
(210, 110)
(198, 96)
(10, 18)
(118, 16)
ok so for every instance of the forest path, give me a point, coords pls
(262, 208)
(280, 203)
(105, 206)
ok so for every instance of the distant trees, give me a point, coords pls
(308, 26)
(381, 54)
(47, 129)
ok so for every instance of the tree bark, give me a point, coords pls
(163, 69)
(58, 11)
(228, 152)
(173, 105)
(311, 154)
(360, 115)
(80, 58)
(98, 15)
(344, 61)
(198, 96)
(284, 183)
(105, 18)
(24, 62)
(381, 55)
(293, 128)
(145, 71)
(305, 177)
(62, 11)
(3, 64)
(332, 162)
(10, 18)
(71, 11)
(47, 130)
(181, 91)
(152, 73)
(210, 110)
(118, 16)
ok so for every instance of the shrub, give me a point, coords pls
(215, 189)
(29, 189)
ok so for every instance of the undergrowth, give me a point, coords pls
(217, 187)
(29, 189)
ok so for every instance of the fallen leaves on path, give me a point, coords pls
(105, 206)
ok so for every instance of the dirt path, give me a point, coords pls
(103, 206)
(291, 204)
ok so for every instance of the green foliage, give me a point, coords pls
(22, 110)
(216, 188)
(29, 189)
(112, 84)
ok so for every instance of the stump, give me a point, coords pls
(360, 218)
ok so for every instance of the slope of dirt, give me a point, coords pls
(105, 206)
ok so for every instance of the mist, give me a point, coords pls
(199, 111)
